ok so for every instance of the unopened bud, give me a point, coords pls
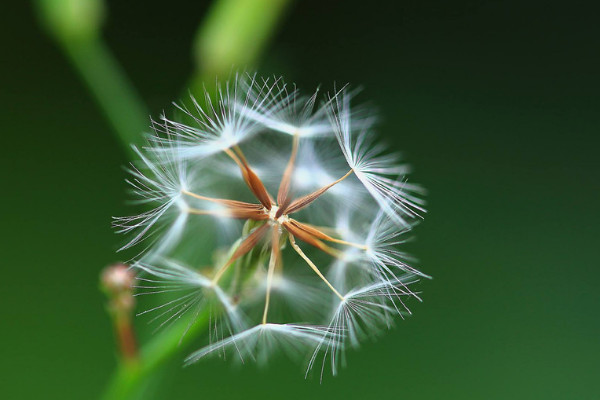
(117, 278)
(117, 282)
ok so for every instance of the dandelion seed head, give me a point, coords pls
(281, 214)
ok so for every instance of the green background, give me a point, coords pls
(495, 104)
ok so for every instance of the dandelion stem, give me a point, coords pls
(233, 33)
(126, 336)
(130, 380)
(112, 90)
(77, 30)
(314, 267)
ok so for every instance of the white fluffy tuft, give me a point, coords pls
(267, 206)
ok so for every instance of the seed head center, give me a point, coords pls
(273, 215)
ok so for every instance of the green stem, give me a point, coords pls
(113, 92)
(233, 35)
(76, 27)
(131, 378)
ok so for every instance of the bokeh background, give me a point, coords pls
(494, 103)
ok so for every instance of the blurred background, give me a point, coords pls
(495, 104)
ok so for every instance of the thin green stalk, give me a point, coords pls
(131, 378)
(115, 95)
(233, 36)
(76, 26)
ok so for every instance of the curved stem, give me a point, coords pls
(112, 90)
(130, 379)
(234, 33)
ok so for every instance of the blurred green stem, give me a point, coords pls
(233, 35)
(76, 25)
(108, 84)
(130, 379)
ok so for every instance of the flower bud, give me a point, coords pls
(117, 278)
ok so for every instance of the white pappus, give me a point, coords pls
(316, 210)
